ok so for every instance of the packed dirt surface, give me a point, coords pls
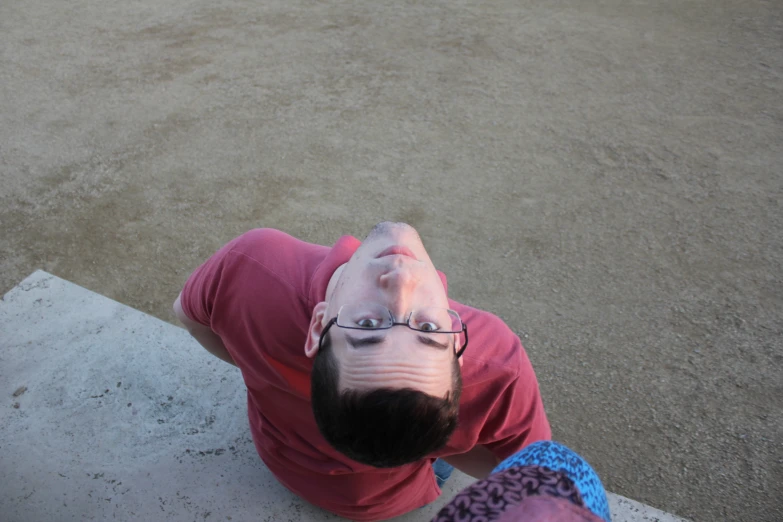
(605, 175)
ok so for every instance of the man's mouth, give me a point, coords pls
(397, 251)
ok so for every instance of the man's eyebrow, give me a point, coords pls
(429, 341)
(360, 342)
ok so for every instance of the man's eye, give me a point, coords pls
(368, 322)
(428, 326)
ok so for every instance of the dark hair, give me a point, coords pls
(384, 427)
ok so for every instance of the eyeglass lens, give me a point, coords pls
(374, 316)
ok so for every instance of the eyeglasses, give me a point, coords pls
(372, 316)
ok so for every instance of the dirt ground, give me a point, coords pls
(603, 174)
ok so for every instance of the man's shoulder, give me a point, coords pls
(486, 325)
(305, 267)
(263, 241)
(481, 318)
(277, 251)
(494, 350)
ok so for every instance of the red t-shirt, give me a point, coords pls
(258, 293)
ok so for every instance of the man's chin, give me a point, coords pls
(395, 229)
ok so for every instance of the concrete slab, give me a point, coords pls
(112, 414)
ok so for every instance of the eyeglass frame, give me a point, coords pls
(396, 323)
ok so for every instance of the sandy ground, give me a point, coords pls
(605, 175)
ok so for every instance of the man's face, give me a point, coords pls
(391, 268)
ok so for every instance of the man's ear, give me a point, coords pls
(317, 324)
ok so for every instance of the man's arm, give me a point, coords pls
(478, 462)
(203, 334)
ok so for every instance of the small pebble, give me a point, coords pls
(16, 405)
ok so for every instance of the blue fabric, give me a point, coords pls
(558, 457)
(442, 471)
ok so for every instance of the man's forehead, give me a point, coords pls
(394, 337)
(362, 371)
(362, 339)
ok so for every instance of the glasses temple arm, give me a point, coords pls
(464, 346)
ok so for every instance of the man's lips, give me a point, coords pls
(397, 251)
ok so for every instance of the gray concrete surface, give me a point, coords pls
(112, 414)
(603, 174)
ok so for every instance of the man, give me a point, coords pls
(353, 361)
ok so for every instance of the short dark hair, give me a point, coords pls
(385, 427)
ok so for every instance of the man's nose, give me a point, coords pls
(397, 279)
(398, 285)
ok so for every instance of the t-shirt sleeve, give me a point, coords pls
(202, 287)
(257, 270)
(517, 417)
(501, 407)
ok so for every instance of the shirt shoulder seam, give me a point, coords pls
(273, 273)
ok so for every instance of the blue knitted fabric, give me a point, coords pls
(558, 457)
